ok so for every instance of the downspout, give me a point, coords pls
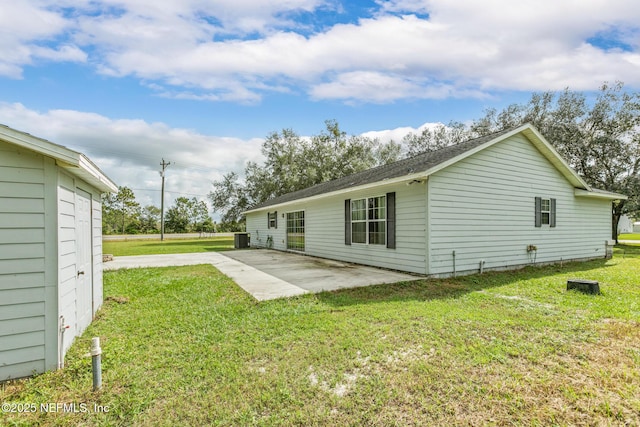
(61, 328)
(454, 263)
(481, 266)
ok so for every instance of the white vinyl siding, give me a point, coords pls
(22, 262)
(67, 255)
(325, 229)
(261, 234)
(96, 221)
(38, 259)
(483, 209)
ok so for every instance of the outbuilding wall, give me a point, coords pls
(38, 252)
(25, 283)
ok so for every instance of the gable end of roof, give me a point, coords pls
(76, 163)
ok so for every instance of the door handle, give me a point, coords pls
(80, 272)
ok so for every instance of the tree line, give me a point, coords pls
(599, 139)
(122, 214)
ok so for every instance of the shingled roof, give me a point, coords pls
(416, 164)
(422, 165)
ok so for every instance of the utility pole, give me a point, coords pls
(164, 166)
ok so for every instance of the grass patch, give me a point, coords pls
(186, 346)
(629, 236)
(631, 249)
(173, 246)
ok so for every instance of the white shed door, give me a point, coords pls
(84, 272)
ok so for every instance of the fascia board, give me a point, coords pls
(39, 145)
(401, 179)
(599, 194)
(554, 157)
(89, 167)
(76, 163)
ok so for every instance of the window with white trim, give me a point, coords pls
(272, 219)
(545, 211)
(368, 221)
(545, 214)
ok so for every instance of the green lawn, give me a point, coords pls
(185, 346)
(624, 250)
(634, 236)
(173, 246)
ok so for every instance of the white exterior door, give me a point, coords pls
(84, 271)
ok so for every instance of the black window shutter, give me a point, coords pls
(275, 222)
(391, 220)
(268, 220)
(347, 222)
(538, 211)
(552, 214)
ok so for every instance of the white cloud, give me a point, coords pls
(64, 53)
(23, 26)
(238, 50)
(399, 133)
(367, 86)
(130, 151)
(375, 87)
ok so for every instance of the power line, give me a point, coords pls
(172, 192)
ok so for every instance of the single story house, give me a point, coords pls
(50, 250)
(501, 201)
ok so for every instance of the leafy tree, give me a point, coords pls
(230, 227)
(187, 215)
(332, 154)
(230, 197)
(600, 141)
(200, 219)
(109, 214)
(435, 138)
(119, 210)
(207, 226)
(293, 163)
(177, 218)
(150, 219)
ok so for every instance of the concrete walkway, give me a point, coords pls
(268, 274)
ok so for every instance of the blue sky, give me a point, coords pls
(201, 83)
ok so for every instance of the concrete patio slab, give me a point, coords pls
(316, 274)
(260, 285)
(268, 274)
